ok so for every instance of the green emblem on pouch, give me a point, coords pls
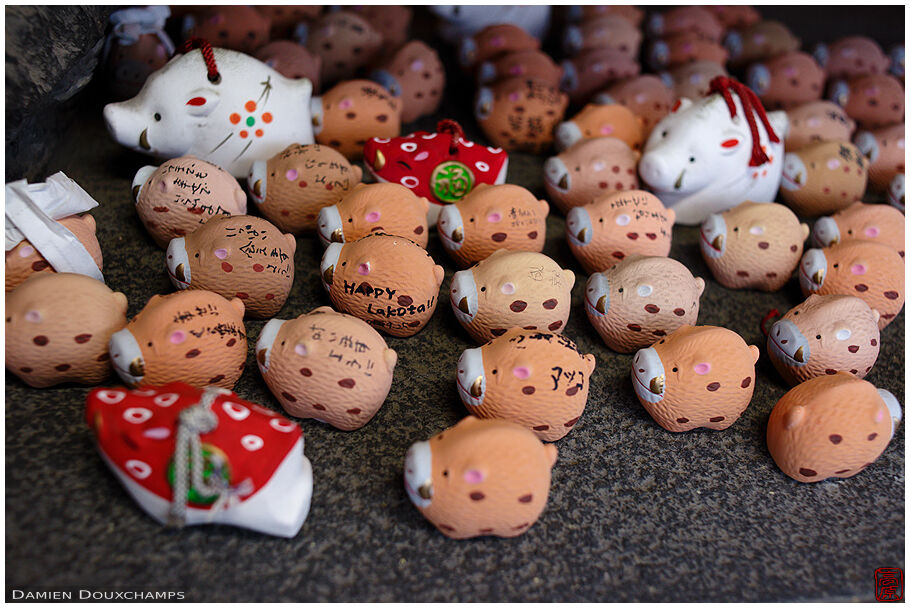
(215, 464)
(451, 181)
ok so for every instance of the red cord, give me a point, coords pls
(447, 125)
(764, 321)
(726, 86)
(208, 55)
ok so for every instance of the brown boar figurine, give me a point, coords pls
(613, 226)
(136, 47)
(640, 300)
(753, 245)
(183, 193)
(647, 96)
(593, 70)
(532, 64)
(695, 377)
(240, 256)
(735, 16)
(817, 121)
(480, 477)
(58, 326)
(759, 42)
(786, 81)
(698, 19)
(351, 113)
(414, 75)
(878, 223)
(692, 80)
(326, 365)
(825, 335)
(852, 56)
(536, 379)
(868, 270)
(823, 178)
(519, 114)
(492, 41)
(287, 18)
(873, 101)
(392, 21)
(345, 41)
(291, 187)
(596, 120)
(291, 60)
(884, 148)
(683, 48)
(388, 208)
(388, 281)
(236, 27)
(502, 216)
(192, 336)
(588, 169)
(831, 426)
(606, 32)
(512, 289)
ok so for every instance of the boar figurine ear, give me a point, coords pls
(424, 204)
(876, 315)
(700, 285)
(391, 358)
(358, 173)
(552, 453)
(755, 352)
(440, 274)
(89, 221)
(120, 302)
(322, 309)
(202, 102)
(591, 361)
(237, 303)
(544, 207)
(292, 242)
(804, 230)
(570, 277)
(671, 215)
(794, 417)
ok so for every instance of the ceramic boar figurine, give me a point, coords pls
(242, 257)
(351, 113)
(787, 80)
(896, 55)
(58, 326)
(538, 380)
(735, 16)
(291, 60)
(480, 477)
(236, 27)
(867, 270)
(533, 64)
(416, 76)
(852, 56)
(681, 49)
(286, 18)
(879, 223)
(518, 114)
(823, 178)
(896, 191)
(588, 169)
(252, 112)
(459, 20)
(387, 281)
(606, 32)
(593, 70)
(696, 377)
(326, 365)
(815, 122)
(512, 289)
(605, 231)
(136, 47)
(368, 208)
(24, 260)
(760, 41)
(345, 42)
(640, 300)
(885, 150)
(700, 159)
(192, 336)
(490, 218)
(825, 335)
(494, 40)
(698, 19)
(294, 185)
(831, 426)
(392, 21)
(647, 96)
(601, 121)
(753, 245)
(872, 101)
(692, 80)
(182, 194)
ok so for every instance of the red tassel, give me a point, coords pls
(726, 86)
(208, 55)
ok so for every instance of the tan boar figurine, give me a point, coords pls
(494, 40)
(601, 121)
(593, 70)
(884, 148)
(182, 194)
(479, 478)
(692, 80)
(290, 188)
(878, 223)
(520, 114)
(24, 260)
(852, 56)
(825, 335)
(512, 289)
(817, 121)
(604, 32)
(873, 101)
(786, 81)
(58, 326)
(753, 245)
(532, 64)
(352, 112)
(640, 300)
(193, 336)
(345, 42)
(647, 96)
(868, 270)
(388, 281)
(698, 19)
(415, 75)
(590, 168)
(735, 16)
(759, 41)
(613, 226)
(238, 27)
(831, 426)
(367, 208)
(823, 178)
(291, 60)
(684, 48)
(492, 217)
(536, 379)
(326, 365)
(240, 256)
(696, 377)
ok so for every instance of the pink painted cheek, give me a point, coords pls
(872, 231)
(26, 251)
(221, 253)
(833, 163)
(858, 269)
(416, 65)
(879, 415)
(473, 476)
(871, 91)
(372, 216)
(364, 268)
(513, 97)
(702, 368)
(494, 217)
(33, 315)
(813, 123)
(300, 349)
(790, 71)
(521, 372)
(606, 129)
(177, 337)
(345, 103)
(291, 175)
(517, 70)
(497, 41)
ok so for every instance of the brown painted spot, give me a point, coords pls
(192, 353)
(763, 244)
(682, 420)
(520, 526)
(526, 498)
(289, 396)
(571, 391)
(497, 332)
(305, 371)
(713, 386)
(62, 367)
(550, 304)
(532, 235)
(528, 390)
(770, 275)
(632, 235)
(542, 427)
(499, 237)
(346, 383)
(518, 306)
(652, 308)
(679, 312)
(634, 327)
(241, 295)
(82, 338)
(651, 235)
(382, 117)
(554, 325)
(841, 471)
(717, 419)
(197, 210)
(659, 332)
(891, 295)
(742, 273)
(873, 342)
(571, 423)
(354, 410)
(485, 531)
(217, 378)
(793, 247)
(861, 287)
(529, 327)
(226, 267)
(830, 371)
(258, 267)
(418, 230)
(477, 495)
(25, 370)
(39, 265)
(41, 340)
(231, 342)
(103, 357)
(618, 255)
(872, 436)
(405, 300)
(160, 209)
(853, 348)
(414, 324)
(853, 371)
(746, 382)
(807, 473)
(835, 439)
(319, 406)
